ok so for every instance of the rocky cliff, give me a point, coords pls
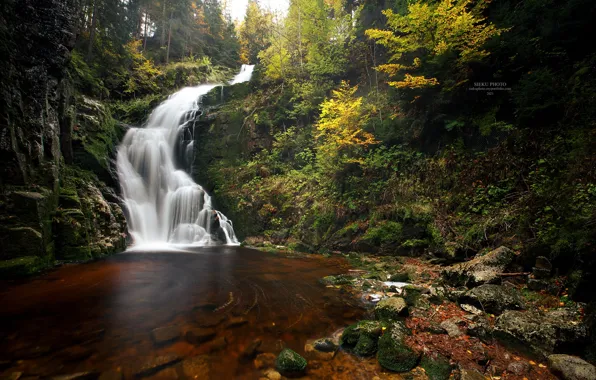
(52, 204)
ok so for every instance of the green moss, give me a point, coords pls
(23, 266)
(352, 334)
(400, 277)
(366, 345)
(436, 368)
(340, 279)
(391, 309)
(384, 232)
(394, 355)
(289, 361)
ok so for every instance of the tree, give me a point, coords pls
(255, 31)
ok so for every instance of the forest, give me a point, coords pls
(443, 131)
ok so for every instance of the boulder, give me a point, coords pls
(163, 335)
(393, 354)
(391, 309)
(362, 337)
(199, 335)
(436, 367)
(571, 367)
(541, 333)
(483, 269)
(290, 362)
(493, 299)
(312, 351)
(471, 374)
(451, 327)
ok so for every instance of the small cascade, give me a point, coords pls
(163, 203)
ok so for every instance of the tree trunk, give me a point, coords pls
(162, 40)
(169, 39)
(92, 30)
(145, 33)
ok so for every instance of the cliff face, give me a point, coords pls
(37, 115)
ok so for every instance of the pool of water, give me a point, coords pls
(211, 303)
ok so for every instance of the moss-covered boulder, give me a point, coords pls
(290, 362)
(340, 279)
(393, 354)
(22, 266)
(437, 367)
(391, 309)
(362, 337)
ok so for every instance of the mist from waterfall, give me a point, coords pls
(164, 206)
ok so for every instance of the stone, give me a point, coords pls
(451, 328)
(11, 376)
(111, 375)
(494, 299)
(537, 285)
(272, 374)
(541, 273)
(541, 333)
(197, 367)
(236, 321)
(471, 374)
(479, 327)
(519, 368)
(77, 376)
(543, 263)
(264, 360)
(391, 308)
(163, 335)
(436, 367)
(75, 353)
(290, 362)
(471, 309)
(352, 334)
(571, 367)
(252, 349)
(325, 345)
(320, 349)
(393, 354)
(199, 335)
(218, 344)
(155, 364)
(483, 269)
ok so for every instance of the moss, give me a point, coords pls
(353, 333)
(340, 279)
(436, 368)
(136, 111)
(23, 266)
(384, 232)
(366, 345)
(411, 294)
(391, 309)
(394, 355)
(289, 361)
(400, 277)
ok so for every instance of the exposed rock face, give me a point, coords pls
(49, 210)
(571, 367)
(494, 298)
(541, 333)
(480, 270)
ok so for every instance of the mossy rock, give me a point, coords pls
(394, 355)
(22, 266)
(400, 277)
(366, 345)
(436, 368)
(411, 295)
(340, 279)
(289, 361)
(391, 309)
(362, 337)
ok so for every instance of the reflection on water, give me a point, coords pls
(117, 313)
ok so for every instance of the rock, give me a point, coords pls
(471, 374)
(11, 376)
(391, 308)
(480, 328)
(264, 360)
(541, 333)
(541, 273)
(471, 309)
(341, 279)
(480, 270)
(111, 375)
(571, 367)
(393, 354)
(252, 349)
(152, 365)
(163, 335)
(494, 298)
(272, 374)
(451, 328)
(362, 337)
(400, 277)
(77, 376)
(199, 335)
(435, 328)
(290, 362)
(197, 367)
(236, 321)
(325, 345)
(218, 344)
(75, 353)
(311, 351)
(537, 285)
(519, 368)
(436, 367)
(543, 263)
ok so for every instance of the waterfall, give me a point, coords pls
(163, 204)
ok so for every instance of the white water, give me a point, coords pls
(165, 207)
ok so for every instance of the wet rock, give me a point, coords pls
(494, 298)
(471, 374)
(166, 374)
(325, 345)
(311, 351)
(77, 376)
(197, 367)
(236, 321)
(264, 360)
(111, 375)
(471, 309)
(11, 376)
(435, 328)
(391, 308)
(210, 319)
(32, 352)
(537, 285)
(393, 354)
(163, 335)
(340, 279)
(479, 327)
(452, 328)
(252, 349)
(519, 368)
(362, 337)
(400, 277)
(152, 365)
(541, 273)
(571, 367)
(199, 335)
(290, 362)
(541, 333)
(75, 353)
(480, 270)
(272, 374)
(218, 344)
(543, 263)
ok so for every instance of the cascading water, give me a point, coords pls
(163, 203)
